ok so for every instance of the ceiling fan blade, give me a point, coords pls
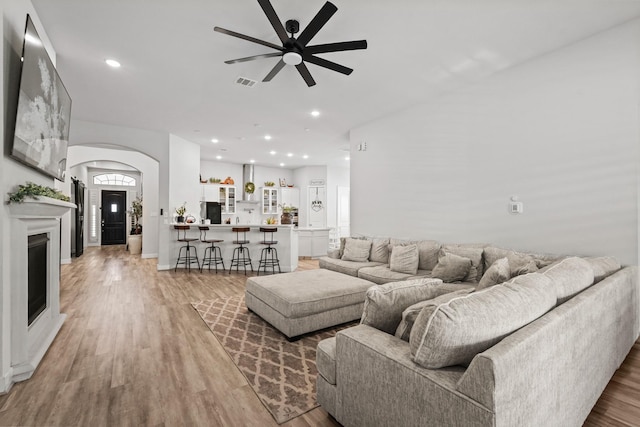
(275, 70)
(318, 21)
(336, 47)
(306, 75)
(247, 38)
(253, 58)
(273, 18)
(328, 64)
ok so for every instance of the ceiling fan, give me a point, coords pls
(294, 50)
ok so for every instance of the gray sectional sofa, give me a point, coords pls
(536, 350)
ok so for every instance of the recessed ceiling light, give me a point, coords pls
(252, 161)
(289, 154)
(347, 158)
(112, 63)
(272, 152)
(307, 129)
(306, 156)
(218, 157)
(267, 137)
(215, 141)
(281, 164)
(315, 113)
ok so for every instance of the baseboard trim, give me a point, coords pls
(149, 256)
(163, 267)
(65, 261)
(6, 382)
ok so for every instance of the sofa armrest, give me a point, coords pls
(372, 365)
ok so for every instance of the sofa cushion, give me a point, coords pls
(519, 262)
(448, 291)
(471, 251)
(451, 268)
(356, 250)
(452, 333)
(571, 276)
(382, 274)
(384, 304)
(603, 266)
(345, 267)
(499, 272)
(428, 251)
(529, 267)
(326, 359)
(379, 250)
(343, 241)
(404, 259)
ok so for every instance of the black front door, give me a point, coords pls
(114, 216)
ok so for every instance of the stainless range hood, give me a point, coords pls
(248, 176)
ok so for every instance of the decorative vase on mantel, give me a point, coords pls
(285, 218)
(180, 219)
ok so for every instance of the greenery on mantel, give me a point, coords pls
(33, 191)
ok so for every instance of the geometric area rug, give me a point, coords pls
(282, 373)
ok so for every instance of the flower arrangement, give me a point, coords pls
(287, 209)
(269, 184)
(214, 180)
(182, 209)
(33, 191)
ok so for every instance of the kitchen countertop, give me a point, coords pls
(196, 225)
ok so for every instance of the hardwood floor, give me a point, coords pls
(134, 352)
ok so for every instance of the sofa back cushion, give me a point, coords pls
(379, 250)
(570, 276)
(603, 266)
(384, 304)
(356, 250)
(404, 259)
(453, 332)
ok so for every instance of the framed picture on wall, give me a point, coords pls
(283, 182)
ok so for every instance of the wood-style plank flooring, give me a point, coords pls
(134, 352)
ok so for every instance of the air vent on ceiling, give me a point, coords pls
(246, 82)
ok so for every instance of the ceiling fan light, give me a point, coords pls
(292, 58)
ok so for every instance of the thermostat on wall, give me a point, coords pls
(516, 207)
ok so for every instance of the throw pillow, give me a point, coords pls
(603, 266)
(379, 251)
(404, 259)
(499, 272)
(409, 315)
(451, 268)
(453, 332)
(529, 267)
(428, 251)
(384, 304)
(474, 253)
(356, 250)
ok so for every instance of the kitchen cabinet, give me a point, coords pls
(270, 200)
(223, 194)
(313, 242)
(290, 196)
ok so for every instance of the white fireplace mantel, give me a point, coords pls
(29, 343)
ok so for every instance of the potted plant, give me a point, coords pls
(181, 211)
(286, 216)
(136, 213)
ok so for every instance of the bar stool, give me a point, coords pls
(215, 253)
(186, 259)
(269, 255)
(241, 256)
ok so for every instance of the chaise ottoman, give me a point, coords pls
(305, 301)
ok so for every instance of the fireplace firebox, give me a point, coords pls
(37, 275)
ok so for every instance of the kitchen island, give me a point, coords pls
(286, 236)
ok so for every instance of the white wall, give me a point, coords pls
(12, 173)
(560, 132)
(336, 177)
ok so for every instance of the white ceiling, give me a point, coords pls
(173, 77)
